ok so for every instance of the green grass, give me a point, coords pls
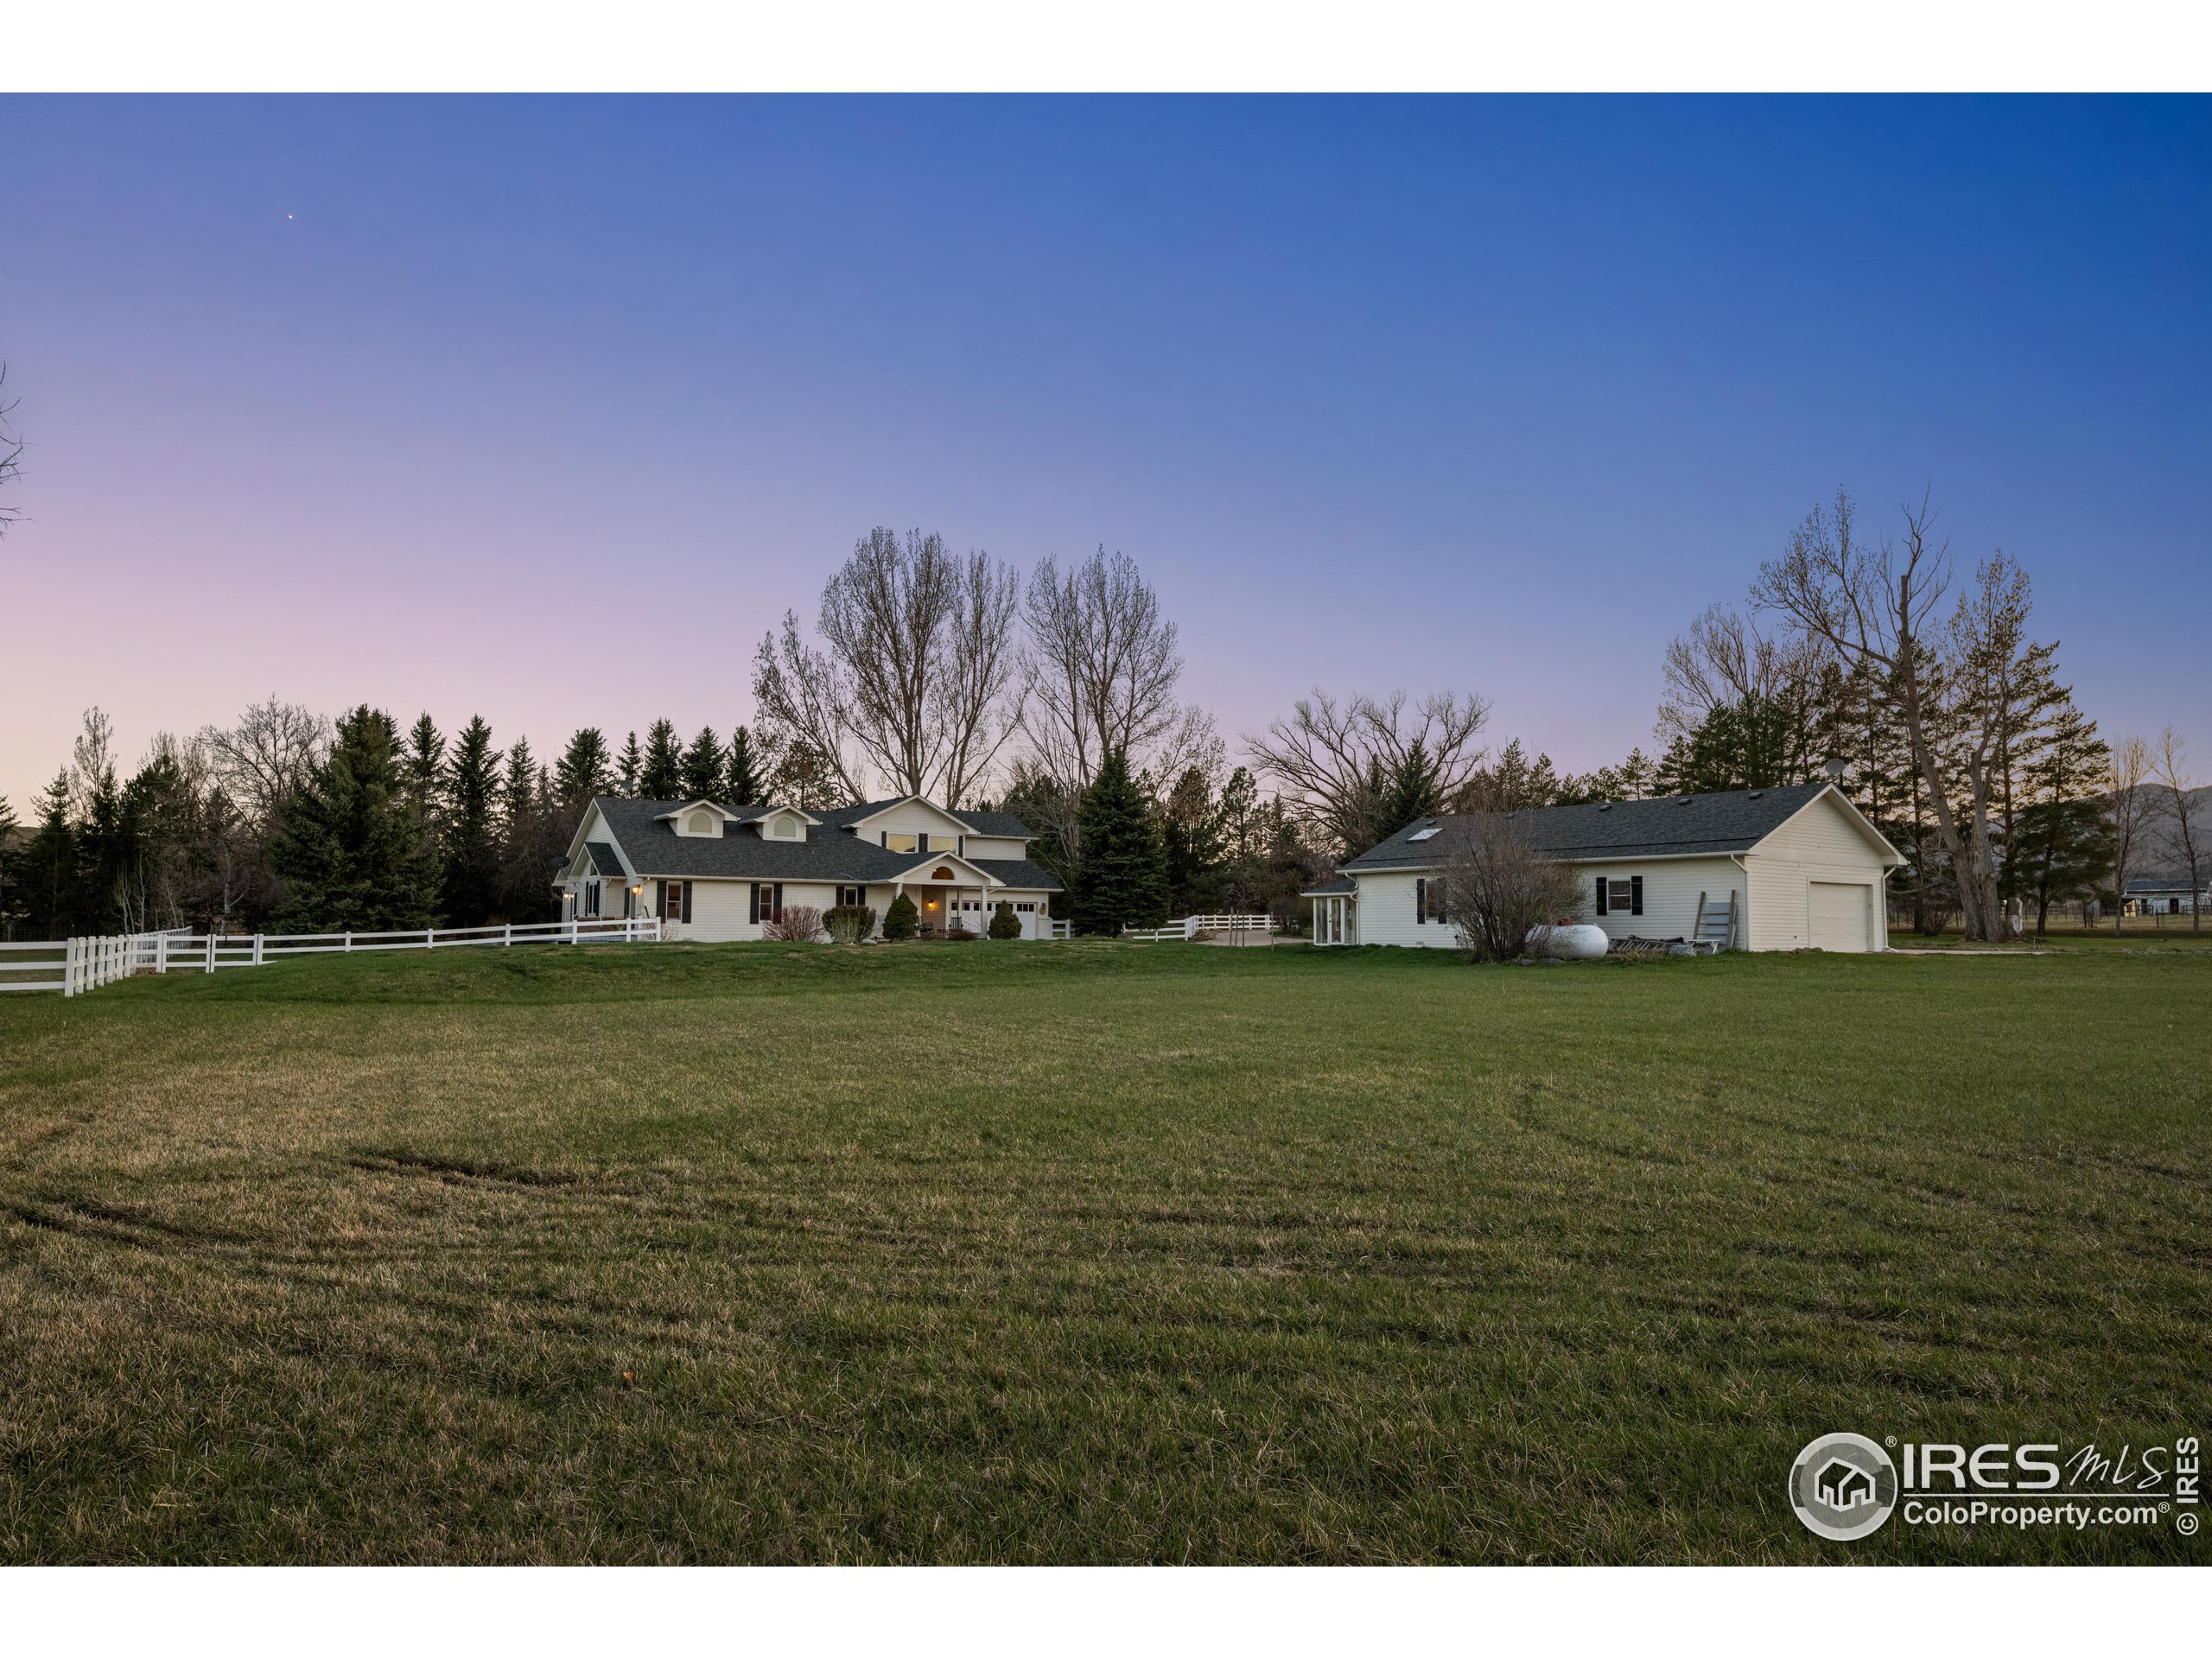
(1082, 1253)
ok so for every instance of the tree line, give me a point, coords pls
(1053, 694)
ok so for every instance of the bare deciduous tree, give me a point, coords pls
(1101, 666)
(2128, 811)
(1958, 689)
(2181, 828)
(1329, 758)
(912, 680)
(11, 455)
(266, 756)
(1725, 661)
(1498, 887)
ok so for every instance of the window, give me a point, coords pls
(1428, 900)
(852, 895)
(783, 827)
(1620, 896)
(701, 823)
(591, 898)
(941, 874)
(922, 842)
(676, 901)
(899, 841)
(767, 901)
(1428, 834)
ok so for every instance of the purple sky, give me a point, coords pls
(547, 409)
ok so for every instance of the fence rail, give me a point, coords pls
(73, 967)
(1189, 927)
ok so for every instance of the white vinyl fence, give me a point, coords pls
(1190, 926)
(75, 966)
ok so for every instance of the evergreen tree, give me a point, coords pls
(702, 768)
(661, 777)
(1198, 858)
(1121, 877)
(1412, 790)
(469, 833)
(520, 796)
(423, 770)
(584, 770)
(534, 828)
(743, 787)
(49, 871)
(2062, 844)
(349, 849)
(630, 767)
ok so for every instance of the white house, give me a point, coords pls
(1774, 869)
(715, 871)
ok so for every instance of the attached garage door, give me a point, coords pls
(1839, 913)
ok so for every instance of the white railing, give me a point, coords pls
(75, 966)
(1057, 930)
(1190, 926)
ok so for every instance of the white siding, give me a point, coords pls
(1671, 889)
(996, 846)
(1820, 844)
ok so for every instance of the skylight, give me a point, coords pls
(1423, 835)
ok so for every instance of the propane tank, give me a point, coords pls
(1573, 942)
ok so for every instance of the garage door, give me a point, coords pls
(1838, 911)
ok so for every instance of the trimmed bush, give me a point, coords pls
(902, 920)
(956, 931)
(849, 923)
(1005, 925)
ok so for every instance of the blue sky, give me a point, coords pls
(547, 407)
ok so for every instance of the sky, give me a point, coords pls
(547, 408)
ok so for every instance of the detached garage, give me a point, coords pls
(1755, 869)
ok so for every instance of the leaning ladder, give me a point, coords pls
(1716, 920)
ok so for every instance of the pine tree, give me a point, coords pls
(469, 832)
(49, 871)
(584, 770)
(1412, 790)
(2062, 845)
(743, 787)
(423, 770)
(661, 777)
(702, 768)
(1121, 878)
(628, 769)
(1198, 857)
(349, 851)
(520, 795)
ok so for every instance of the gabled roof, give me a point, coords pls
(1003, 824)
(1672, 826)
(653, 848)
(604, 860)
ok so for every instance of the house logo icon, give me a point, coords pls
(1843, 1487)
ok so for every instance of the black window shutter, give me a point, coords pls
(753, 908)
(660, 900)
(1636, 895)
(922, 842)
(685, 889)
(1420, 898)
(1601, 895)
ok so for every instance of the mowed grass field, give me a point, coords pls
(1082, 1253)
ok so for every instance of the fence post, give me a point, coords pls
(161, 953)
(256, 950)
(509, 937)
(69, 968)
(349, 941)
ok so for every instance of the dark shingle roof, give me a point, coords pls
(605, 861)
(1673, 826)
(980, 823)
(828, 853)
(2177, 883)
(1343, 884)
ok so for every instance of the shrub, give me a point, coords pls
(1005, 925)
(793, 925)
(849, 923)
(902, 920)
(1497, 886)
(956, 931)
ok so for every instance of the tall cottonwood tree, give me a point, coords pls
(1958, 685)
(912, 680)
(2181, 825)
(1335, 760)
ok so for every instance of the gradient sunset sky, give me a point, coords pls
(547, 409)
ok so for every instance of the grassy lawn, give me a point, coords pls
(1082, 1253)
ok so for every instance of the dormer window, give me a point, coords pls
(700, 824)
(784, 826)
